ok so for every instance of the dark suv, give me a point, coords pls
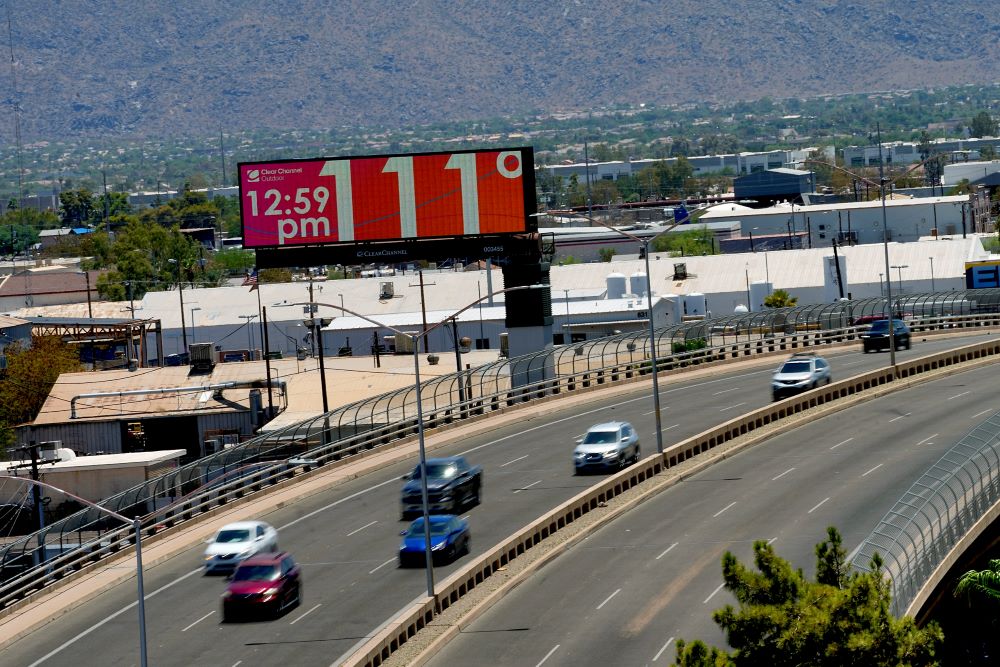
(877, 337)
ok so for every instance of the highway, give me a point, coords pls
(346, 538)
(628, 591)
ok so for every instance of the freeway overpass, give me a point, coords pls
(346, 536)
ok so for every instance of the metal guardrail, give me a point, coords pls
(86, 536)
(916, 536)
(415, 617)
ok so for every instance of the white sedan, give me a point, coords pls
(236, 542)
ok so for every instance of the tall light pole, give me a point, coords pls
(885, 247)
(899, 268)
(644, 244)
(428, 558)
(932, 274)
(137, 527)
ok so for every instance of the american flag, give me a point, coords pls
(251, 279)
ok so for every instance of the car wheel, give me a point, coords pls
(907, 343)
(477, 498)
(638, 455)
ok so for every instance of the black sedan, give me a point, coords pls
(451, 485)
(877, 337)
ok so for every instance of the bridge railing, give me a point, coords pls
(927, 523)
(65, 546)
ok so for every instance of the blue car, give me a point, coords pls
(449, 540)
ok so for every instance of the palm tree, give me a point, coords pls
(779, 298)
(982, 583)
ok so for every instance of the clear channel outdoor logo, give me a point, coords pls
(253, 175)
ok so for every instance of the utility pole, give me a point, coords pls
(423, 307)
(107, 218)
(32, 450)
(267, 365)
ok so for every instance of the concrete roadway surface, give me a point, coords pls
(346, 538)
(626, 593)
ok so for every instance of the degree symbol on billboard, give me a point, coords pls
(509, 164)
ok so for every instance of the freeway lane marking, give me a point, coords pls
(608, 599)
(358, 530)
(725, 391)
(964, 393)
(979, 414)
(842, 443)
(782, 474)
(719, 588)
(733, 406)
(723, 509)
(519, 458)
(527, 486)
(306, 614)
(381, 566)
(660, 652)
(670, 427)
(198, 621)
(665, 552)
(818, 505)
(335, 503)
(772, 540)
(872, 470)
(548, 655)
(237, 663)
(899, 417)
(95, 626)
(930, 437)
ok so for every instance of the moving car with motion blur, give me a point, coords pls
(449, 539)
(801, 372)
(607, 446)
(235, 542)
(877, 336)
(262, 585)
(451, 485)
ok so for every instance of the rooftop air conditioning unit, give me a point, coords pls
(386, 290)
(680, 271)
(48, 452)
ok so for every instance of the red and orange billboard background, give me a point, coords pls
(386, 198)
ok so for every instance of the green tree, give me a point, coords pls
(981, 584)
(785, 620)
(31, 372)
(779, 298)
(77, 208)
(606, 254)
(983, 125)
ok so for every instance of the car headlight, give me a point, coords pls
(209, 556)
(610, 454)
(271, 591)
(578, 455)
(226, 595)
(439, 546)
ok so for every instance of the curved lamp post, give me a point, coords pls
(644, 246)
(137, 527)
(428, 558)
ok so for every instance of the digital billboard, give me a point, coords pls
(366, 199)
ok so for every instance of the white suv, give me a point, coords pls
(800, 372)
(606, 446)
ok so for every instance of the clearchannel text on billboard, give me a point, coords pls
(382, 198)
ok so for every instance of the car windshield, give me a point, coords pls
(437, 528)
(882, 326)
(256, 573)
(600, 437)
(437, 471)
(795, 367)
(230, 536)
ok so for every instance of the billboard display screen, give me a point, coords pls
(383, 198)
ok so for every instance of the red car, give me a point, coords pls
(265, 584)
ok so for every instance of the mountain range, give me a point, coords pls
(81, 69)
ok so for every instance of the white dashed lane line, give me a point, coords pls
(198, 621)
(527, 486)
(844, 442)
(894, 419)
(358, 530)
(818, 505)
(782, 474)
(723, 509)
(666, 551)
(519, 458)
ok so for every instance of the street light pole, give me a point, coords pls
(900, 267)
(429, 562)
(932, 274)
(885, 247)
(137, 527)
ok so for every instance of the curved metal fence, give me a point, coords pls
(272, 457)
(933, 516)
